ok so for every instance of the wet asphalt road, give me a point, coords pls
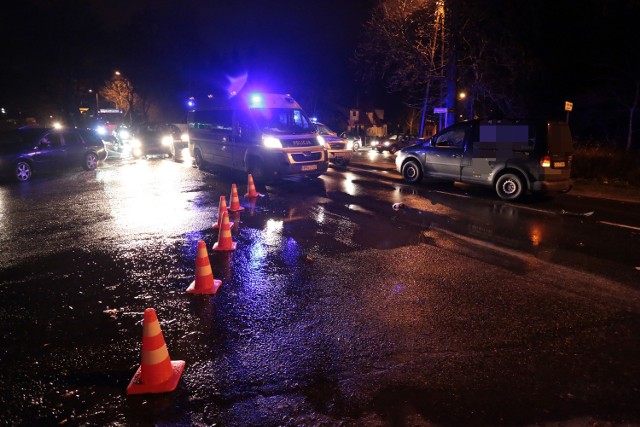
(336, 309)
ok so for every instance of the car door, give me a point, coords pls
(443, 158)
(74, 146)
(50, 152)
(244, 137)
(220, 142)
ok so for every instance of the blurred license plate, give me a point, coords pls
(309, 167)
(559, 164)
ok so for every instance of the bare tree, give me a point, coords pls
(404, 47)
(121, 92)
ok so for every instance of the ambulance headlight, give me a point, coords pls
(167, 140)
(271, 142)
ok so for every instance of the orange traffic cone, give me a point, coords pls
(225, 243)
(251, 189)
(234, 205)
(204, 283)
(157, 372)
(222, 208)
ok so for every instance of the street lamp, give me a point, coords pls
(97, 102)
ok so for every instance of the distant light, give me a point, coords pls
(57, 125)
(462, 95)
(191, 103)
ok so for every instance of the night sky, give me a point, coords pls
(55, 51)
(177, 49)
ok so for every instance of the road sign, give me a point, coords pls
(439, 111)
(568, 106)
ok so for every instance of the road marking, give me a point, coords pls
(620, 225)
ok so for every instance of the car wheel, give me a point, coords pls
(22, 171)
(90, 161)
(509, 186)
(356, 146)
(197, 154)
(412, 172)
(172, 150)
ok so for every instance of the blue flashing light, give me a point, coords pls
(314, 119)
(256, 100)
(191, 102)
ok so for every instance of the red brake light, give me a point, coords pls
(545, 162)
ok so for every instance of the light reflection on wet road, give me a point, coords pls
(334, 309)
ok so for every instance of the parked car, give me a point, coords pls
(354, 139)
(153, 139)
(26, 151)
(340, 149)
(392, 143)
(514, 157)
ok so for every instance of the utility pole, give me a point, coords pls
(452, 68)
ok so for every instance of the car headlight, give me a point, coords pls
(167, 140)
(387, 143)
(124, 134)
(349, 145)
(374, 143)
(135, 143)
(271, 142)
(101, 130)
(184, 137)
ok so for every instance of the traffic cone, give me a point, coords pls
(157, 372)
(204, 283)
(234, 205)
(225, 243)
(251, 189)
(222, 208)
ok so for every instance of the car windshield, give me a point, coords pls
(324, 130)
(282, 121)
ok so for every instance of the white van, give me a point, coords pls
(267, 135)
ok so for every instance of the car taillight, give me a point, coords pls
(545, 162)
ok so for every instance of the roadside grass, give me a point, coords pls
(606, 165)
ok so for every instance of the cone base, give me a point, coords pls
(252, 196)
(241, 208)
(137, 387)
(216, 225)
(217, 247)
(212, 290)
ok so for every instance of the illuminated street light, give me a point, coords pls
(462, 95)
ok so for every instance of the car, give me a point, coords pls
(151, 139)
(514, 157)
(26, 151)
(340, 149)
(392, 143)
(354, 139)
(121, 139)
(180, 137)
